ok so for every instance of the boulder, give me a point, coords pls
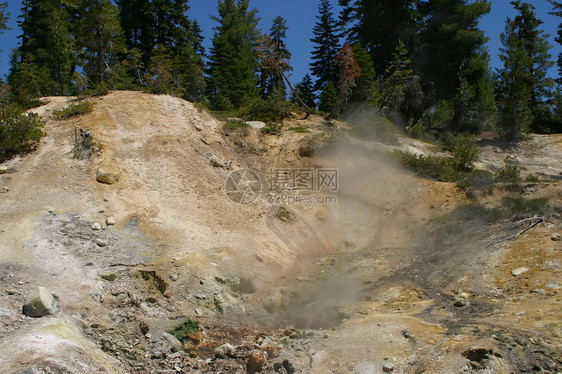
(225, 350)
(40, 302)
(388, 367)
(97, 226)
(173, 341)
(107, 177)
(517, 272)
(3, 169)
(256, 361)
(556, 237)
(110, 221)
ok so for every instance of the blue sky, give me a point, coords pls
(301, 17)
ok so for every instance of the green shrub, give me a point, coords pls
(443, 169)
(19, 133)
(299, 129)
(463, 148)
(233, 124)
(419, 131)
(519, 207)
(74, 110)
(510, 172)
(532, 178)
(267, 110)
(183, 330)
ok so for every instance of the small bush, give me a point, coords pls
(443, 169)
(272, 129)
(232, 125)
(284, 215)
(299, 129)
(520, 208)
(19, 133)
(510, 172)
(463, 148)
(74, 110)
(267, 110)
(532, 178)
(481, 180)
(185, 329)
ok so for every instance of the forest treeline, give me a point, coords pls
(422, 64)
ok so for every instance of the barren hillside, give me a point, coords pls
(382, 272)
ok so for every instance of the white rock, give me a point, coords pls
(3, 169)
(388, 367)
(174, 342)
(225, 350)
(39, 302)
(97, 226)
(517, 272)
(110, 221)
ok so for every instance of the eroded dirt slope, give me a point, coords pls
(393, 275)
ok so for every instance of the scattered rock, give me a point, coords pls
(174, 342)
(460, 302)
(552, 286)
(107, 177)
(539, 291)
(110, 221)
(108, 275)
(217, 162)
(3, 169)
(40, 302)
(406, 334)
(225, 350)
(4, 190)
(219, 302)
(102, 243)
(517, 272)
(388, 367)
(256, 361)
(556, 237)
(97, 226)
(89, 264)
(198, 312)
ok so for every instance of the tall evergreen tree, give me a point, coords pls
(274, 60)
(233, 59)
(453, 60)
(100, 41)
(306, 91)
(47, 45)
(365, 84)
(380, 25)
(326, 45)
(524, 89)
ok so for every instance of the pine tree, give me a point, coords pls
(306, 91)
(513, 89)
(523, 79)
(47, 44)
(452, 46)
(348, 71)
(233, 60)
(326, 45)
(365, 84)
(380, 25)
(274, 60)
(100, 41)
(328, 98)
